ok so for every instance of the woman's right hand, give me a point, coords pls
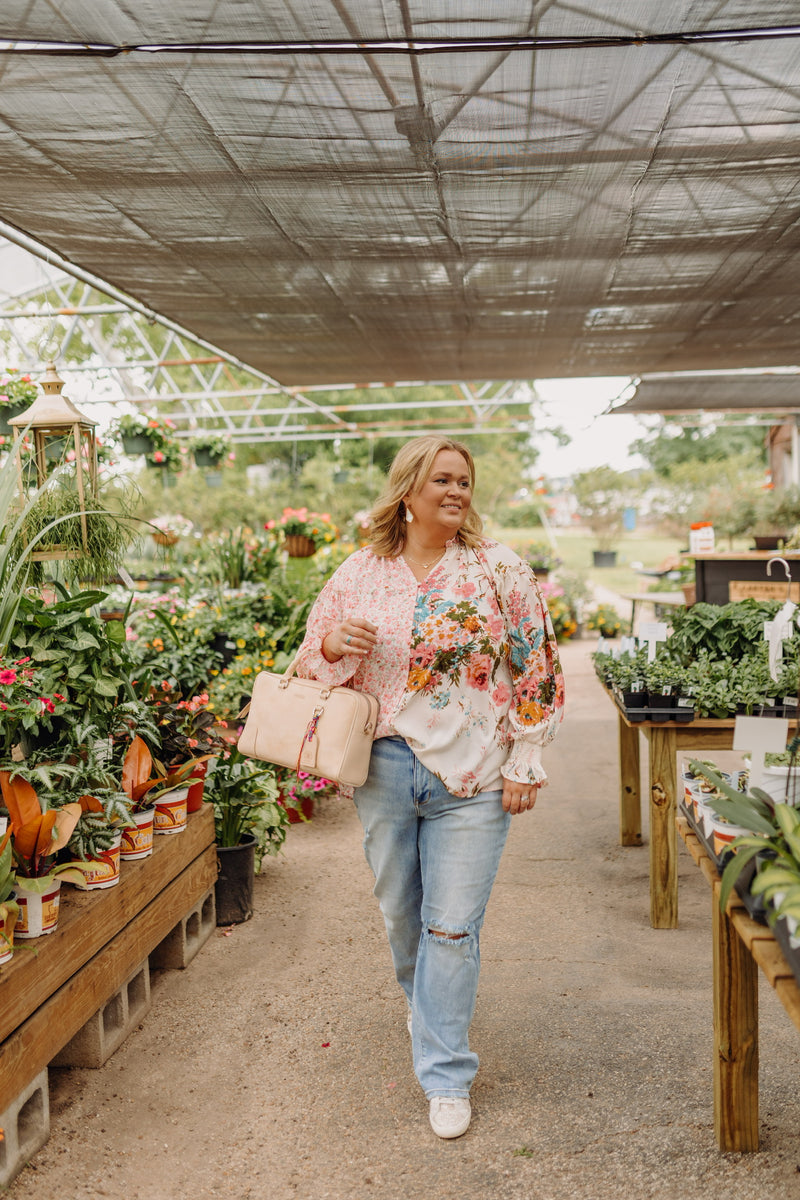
(354, 636)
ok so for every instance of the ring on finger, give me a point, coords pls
(348, 639)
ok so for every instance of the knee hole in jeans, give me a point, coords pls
(450, 937)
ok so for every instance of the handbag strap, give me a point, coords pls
(287, 675)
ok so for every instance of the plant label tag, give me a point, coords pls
(652, 632)
(760, 735)
(627, 645)
(127, 579)
(3, 826)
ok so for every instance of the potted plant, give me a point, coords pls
(541, 558)
(603, 495)
(777, 512)
(209, 449)
(17, 392)
(36, 839)
(151, 436)
(167, 531)
(604, 619)
(9, 909)
(299, 791)
(302, 532)
(249, 823)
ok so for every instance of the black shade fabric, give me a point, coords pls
(481, 213)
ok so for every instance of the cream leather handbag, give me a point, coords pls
(310, 726)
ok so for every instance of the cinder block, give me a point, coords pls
(26, 1128)
(191, 933)
(105, 1032)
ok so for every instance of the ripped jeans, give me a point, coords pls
(434, 857)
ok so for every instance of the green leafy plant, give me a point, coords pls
(83, 657)
(244, 794)
(216, 445)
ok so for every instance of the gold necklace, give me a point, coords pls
(419, 561)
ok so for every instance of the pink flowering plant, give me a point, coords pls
(27, 704)
(16, 390)
(301, 522)
(297, 786)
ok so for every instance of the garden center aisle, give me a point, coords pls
(277, 1065)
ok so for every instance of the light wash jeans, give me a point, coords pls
(434, 857)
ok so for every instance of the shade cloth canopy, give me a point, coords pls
(730, 392)
(510, 209)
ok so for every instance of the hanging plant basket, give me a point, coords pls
(208, 458)
(6, 413)
(137, 443)
(299, 546)
(164, 539)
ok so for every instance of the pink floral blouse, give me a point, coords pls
(474, 686)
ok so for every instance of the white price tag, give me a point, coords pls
(652, 632)
(760, 736)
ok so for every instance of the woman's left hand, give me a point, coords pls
(519, 797)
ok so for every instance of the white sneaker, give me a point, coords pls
(450, 1116)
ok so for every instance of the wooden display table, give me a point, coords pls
(659, 601)
(665, 741)
(741, 945)
(102, 936)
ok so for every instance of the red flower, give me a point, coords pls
(8, 676)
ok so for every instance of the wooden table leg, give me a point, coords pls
(735, 1036)
(663, 832)
(630, 803)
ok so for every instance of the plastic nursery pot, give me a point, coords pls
(170, 815)
(722, 833)
(136, 443)
(138, 842)
(38, 912)
(233, 890)
(194, 799)
(782, 784)
(103, 871)
(7, 934)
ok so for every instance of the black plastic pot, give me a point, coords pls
(233, 890)
(604, 558)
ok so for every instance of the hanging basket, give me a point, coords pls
(164, 539)
(300, 546)
(136, 443)
(208, 458)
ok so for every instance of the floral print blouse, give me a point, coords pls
(466, 668)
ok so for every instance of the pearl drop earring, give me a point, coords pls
(409, 515)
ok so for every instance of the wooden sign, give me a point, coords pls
(756, 589)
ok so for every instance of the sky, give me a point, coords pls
(577, 406)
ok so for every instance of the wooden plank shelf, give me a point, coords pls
(740, 946)
(102, 936)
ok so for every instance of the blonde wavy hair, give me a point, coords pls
(411, 467)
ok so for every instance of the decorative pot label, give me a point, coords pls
(138, 842)
(103, 871)
(37, 914)
(170, 816)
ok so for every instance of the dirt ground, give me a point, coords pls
(277, 1066)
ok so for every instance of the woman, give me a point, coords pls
(450, 632)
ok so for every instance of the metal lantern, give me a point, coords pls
(56, 424)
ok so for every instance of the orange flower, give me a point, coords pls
(530, 713)
(418, 678)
